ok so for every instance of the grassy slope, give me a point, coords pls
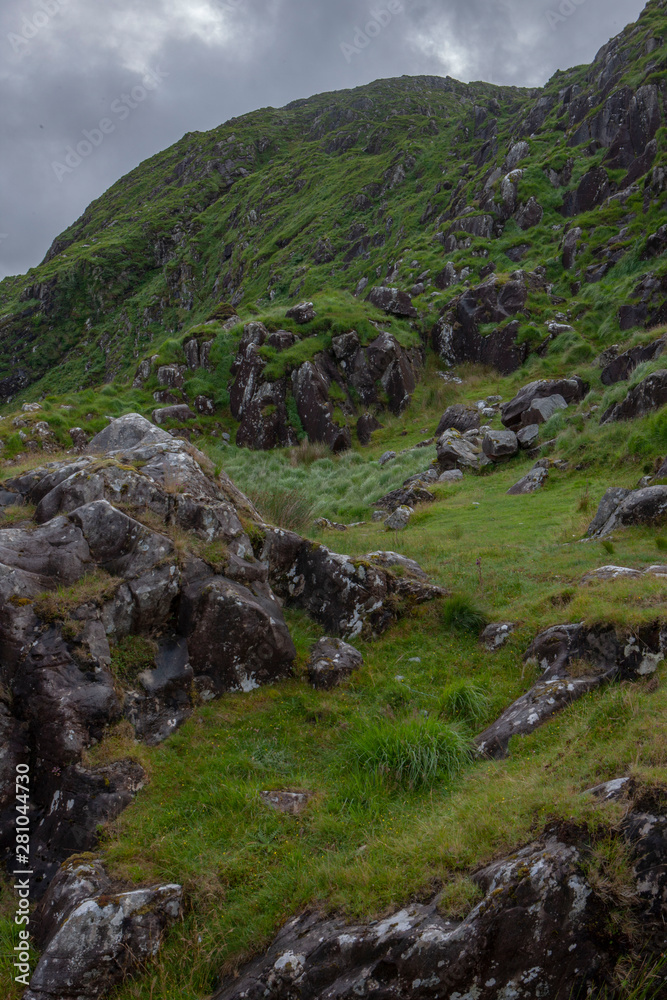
(364, 845)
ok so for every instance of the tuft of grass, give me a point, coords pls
(131, 656)
(460, 614)
(661, 544)
(308, 452)
(286, 508)
(464, 700)
(413, 752)
(608, 546)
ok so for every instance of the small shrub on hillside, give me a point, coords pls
(414, 752)
(459, 614)
(661, 544)
(288, 509)
(608, 546)
(464, 700)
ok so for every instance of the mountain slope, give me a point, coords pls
(348, 186)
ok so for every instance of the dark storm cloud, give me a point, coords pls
(128, 79)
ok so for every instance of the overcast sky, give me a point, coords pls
(155, 69)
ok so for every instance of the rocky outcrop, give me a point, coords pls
(381, 373)
(574, 659)
(259, 405)
(622, 508)
(311, 392)
(517, 413)
(539, 930)
(500, 445)
(347, 597)
(456, 336)
(649, 395)
(459, 418)
(391, 300)
(457, 451)
(94, 935)
(89, 576)
(622, 366)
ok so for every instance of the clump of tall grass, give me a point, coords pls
(460, 614)
(412, 752)
(289, 509)
(464, 700)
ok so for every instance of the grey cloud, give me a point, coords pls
(223, 58)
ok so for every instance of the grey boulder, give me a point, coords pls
(332, 662)
(500, 445)
(649, 395)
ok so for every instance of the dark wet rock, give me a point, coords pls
(608, 506)
(204, 405)
(530, 214)
(332, 662)
(260, 406)
(515, 413)
(407, 496)
(348, 597)
(460, 418)
(530, 483)
(103, 938)
(574, 659)
(500, 445)
(621, 367)
(303, 313)
(345, 345)
(649, 395)
(497, 635)
(366, 424)
(646, 506)
(383, 364)
(456, 336)
(593, 188)
(163, 697)
(237, 640)
(311, 392)
(536, 932)
(72, 806)
(393, 301)
(178, 414)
